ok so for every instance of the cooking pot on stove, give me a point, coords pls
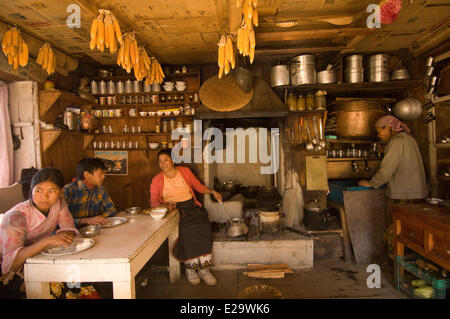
(314, 217)
(231, 187)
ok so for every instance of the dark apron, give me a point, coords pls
(195, 235)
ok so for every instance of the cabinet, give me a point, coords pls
(425, 229)
(137, 119)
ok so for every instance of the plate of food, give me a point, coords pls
(114, 221)
(78, 245)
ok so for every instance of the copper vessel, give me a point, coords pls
(355, 118)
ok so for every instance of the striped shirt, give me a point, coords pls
(84, 202)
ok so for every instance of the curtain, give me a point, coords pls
(6, 143)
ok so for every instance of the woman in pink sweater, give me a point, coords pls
(27, 227)
(174, 188)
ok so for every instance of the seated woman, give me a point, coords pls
(174, 188)
(26, 228)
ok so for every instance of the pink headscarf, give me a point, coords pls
(392, 121)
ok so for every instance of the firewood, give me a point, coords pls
(262, 266)
(265, 275)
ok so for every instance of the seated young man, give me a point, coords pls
(86, 197)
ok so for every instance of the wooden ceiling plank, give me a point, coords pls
(311, 34)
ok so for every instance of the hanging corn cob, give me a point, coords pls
(15, 48)
(105, 32)
(226, 59)
(46, 58)
(246, 35)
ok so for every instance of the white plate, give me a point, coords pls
(114, 221)
(78, 244)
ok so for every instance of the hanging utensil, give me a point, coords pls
(309, 145)
(317, 146)
(322, 140)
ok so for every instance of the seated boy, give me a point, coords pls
(86, 197)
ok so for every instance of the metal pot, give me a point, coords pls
(236, 227)
(279, 75)
(354, 61)
(303, 70)
(379, 76)
(326, 76)
(244, 79)
(408, 109)
(400, 74)
(355, 119)
(313, 206)
(354, 75)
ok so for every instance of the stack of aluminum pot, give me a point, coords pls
(354, 71)
(303, 70)
(379, 68)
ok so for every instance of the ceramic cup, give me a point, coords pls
(132, 112)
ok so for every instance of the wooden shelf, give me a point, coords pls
(444, 178)
(49, 97)
(146, 104)
(147, 93)
(344, 159)
(342, 141)
(142, 117)
(442, 145)
(240, 114)
(132, 77)
(333, 88)
(133, 134)
(49, 137)
(120, 149)
(308, 111)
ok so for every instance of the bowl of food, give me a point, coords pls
(153, 146)
(158, 212)
(90, 231)
(159, 113)
(176, 112)
(143, 113)
(133, 210)
(151, 113)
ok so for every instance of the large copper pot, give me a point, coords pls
(355, 118)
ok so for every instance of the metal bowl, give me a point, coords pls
(434, 201)
(400, 74)
(158, 212)
(90, 231)
(153, 146)
(133, 210)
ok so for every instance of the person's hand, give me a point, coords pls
(171, 206)
(97, 220)
(217, 195)
(60, 239)
(365, 183)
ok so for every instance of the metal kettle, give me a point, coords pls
(236, 227)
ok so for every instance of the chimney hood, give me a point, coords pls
(265, 103)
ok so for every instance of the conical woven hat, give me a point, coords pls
(224, 95)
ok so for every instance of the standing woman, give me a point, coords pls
(174, 188)
(402, 166)
(26, 228)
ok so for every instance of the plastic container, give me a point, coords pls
(440, 285)
(338, 186)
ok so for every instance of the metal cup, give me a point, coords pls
(430, 70)
(430, 60)
(102, 87)
(94, 87)
(120, 87)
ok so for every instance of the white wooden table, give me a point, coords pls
(118, 255)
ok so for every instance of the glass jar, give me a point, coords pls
(172, 123)
(292, 102)
(163, 145)
(164, 126)
(301, 103)
(310, 102)
(321, 102)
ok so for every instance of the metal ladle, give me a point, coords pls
(315, 140)
(309, 145)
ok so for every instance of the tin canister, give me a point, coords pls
(105, 113)
(154, 98)
(110, 100)
(102, 100)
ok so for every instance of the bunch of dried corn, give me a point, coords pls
(246, 35)
(226, 59)
(155, 74)
(128, 54)
(15, 48)
(46, 58)
(105, 32)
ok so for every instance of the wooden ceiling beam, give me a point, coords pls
(287, 51)
(310, 34)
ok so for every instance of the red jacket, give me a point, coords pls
(156, 188)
